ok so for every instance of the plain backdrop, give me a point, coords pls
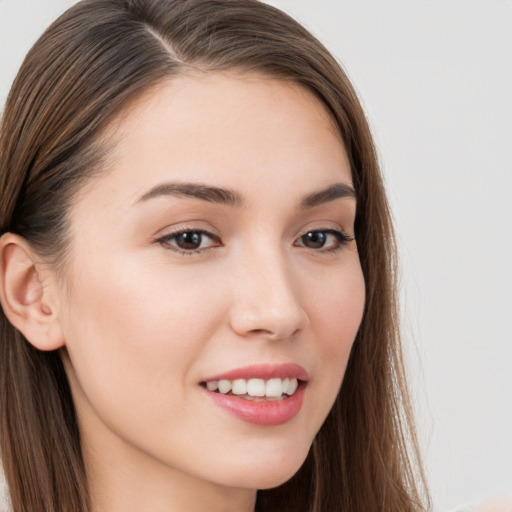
(435, 79)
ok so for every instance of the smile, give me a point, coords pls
(255, 389)
(266, 395)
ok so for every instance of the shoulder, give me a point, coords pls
(503, 504)
(496, 505)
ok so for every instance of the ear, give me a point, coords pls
(27, 300)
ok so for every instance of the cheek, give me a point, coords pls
(133, 306)
(337, 310)
(132, 333)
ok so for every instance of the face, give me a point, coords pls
(216, 250)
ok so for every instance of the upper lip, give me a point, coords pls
(263, 371)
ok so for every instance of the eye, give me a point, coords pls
(189, 240)
(324, 239)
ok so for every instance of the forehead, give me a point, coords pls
(210, 92)
(227, 129)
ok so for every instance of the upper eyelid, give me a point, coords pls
(173, 234)
(213, 234)
(341, 235)
(327, 229)
(343, 239)
(169, 232)
(165, 241)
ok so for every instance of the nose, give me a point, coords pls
(266, 299)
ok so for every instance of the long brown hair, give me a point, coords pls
(85, 68)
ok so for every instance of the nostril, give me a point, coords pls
(277, 334)
(258, 318)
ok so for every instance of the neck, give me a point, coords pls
(122, 478)
(124, 485)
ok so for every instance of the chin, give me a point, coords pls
(273, 478)
(269, 473)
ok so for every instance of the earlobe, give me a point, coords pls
(26, 301)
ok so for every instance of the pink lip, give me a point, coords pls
(265, 413)
(268, 414)
(264, 371)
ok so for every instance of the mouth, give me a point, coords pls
(259, 390)
(265, 395)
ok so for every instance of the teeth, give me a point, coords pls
(272, 388)
(224, 386)
(239, 387)
(256, 387)
(213, 385)
(292, 386)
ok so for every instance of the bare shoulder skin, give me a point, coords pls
(502, 504)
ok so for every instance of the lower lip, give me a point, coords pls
(265, 413)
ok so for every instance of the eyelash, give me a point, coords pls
(164, 241)
(341, 237)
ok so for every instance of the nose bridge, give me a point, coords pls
(266, 298)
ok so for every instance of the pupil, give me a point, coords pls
(189, 240)
(314, 239)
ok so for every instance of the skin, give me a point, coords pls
(142, 323)
(502, 504)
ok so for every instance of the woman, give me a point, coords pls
(197, 272)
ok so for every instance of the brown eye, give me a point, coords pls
(189, 241)
(324, 239)
(314, 239)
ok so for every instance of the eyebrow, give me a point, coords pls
(195, 190)
(336, 191)
(231, 198)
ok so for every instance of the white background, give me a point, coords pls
(436, 81)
